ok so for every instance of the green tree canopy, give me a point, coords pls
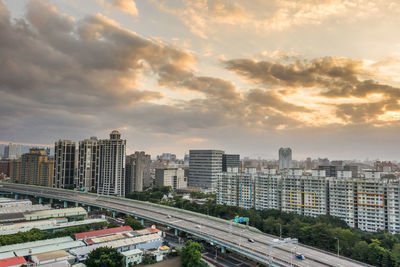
(135, 224)
(191, 254)
(104, 257)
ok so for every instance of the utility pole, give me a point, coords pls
(337, 246)
(280, 231)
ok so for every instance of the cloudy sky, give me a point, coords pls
(320, 76)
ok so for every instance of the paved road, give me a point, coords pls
(220, 232)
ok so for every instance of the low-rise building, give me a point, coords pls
(51, 257)
(132, 257)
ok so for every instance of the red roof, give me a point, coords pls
(103, 232)
(12, 261)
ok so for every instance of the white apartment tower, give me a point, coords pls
(64, 164)
(285, 158)
(88, 164)
(12, 151)
(112, 165)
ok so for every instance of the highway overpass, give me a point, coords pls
(214, 230)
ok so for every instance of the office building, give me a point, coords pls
(285, 158)
(173, 177)
(230, 163)
(64, 164)
(12, 151)
(330, 170)
(204, 168)
(138, 175)
(88, 165)
(35, 168)
(112, 165)
(353, 169)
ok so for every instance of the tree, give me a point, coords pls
(191, 254)
(135, 224)
(104, 257)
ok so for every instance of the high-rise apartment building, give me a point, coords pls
(15, 170)
(138, 174)
(370, 203)
(35, 168)
(173, 177)
(285, 158)
(230, 163)
(204, 168)
(64, 164)
(12, 151)
(112, 154)
(88, 164)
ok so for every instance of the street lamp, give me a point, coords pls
(337, 245)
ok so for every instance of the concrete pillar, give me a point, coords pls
(114, 214)
(40, 200)
(88, 208)
(76, 204)
(16, 196)
(51, 201)
(223, 250)
(176, 232)
(142, 221)
(65, 204)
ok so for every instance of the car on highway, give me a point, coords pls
(198, 226)
(169, 216)
(250, 240)
(300, 256)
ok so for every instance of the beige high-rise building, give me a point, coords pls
(138, 172)
(112, 154)
(36, 168)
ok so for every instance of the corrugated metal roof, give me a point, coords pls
(132, 252)
(6, 255)
(51, 255)
(43, 249)
(116, 244)
(12, 261)
(103, 232)
(106, 238)
(33, 244)
(55, 213)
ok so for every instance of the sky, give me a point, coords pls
(247, 77)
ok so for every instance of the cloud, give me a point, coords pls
(92, 62)
(127, 6)
(327, 78)
(202, 17)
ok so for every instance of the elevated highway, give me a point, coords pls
(214, 230)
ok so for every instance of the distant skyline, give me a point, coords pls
(321, 77)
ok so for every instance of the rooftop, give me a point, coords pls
(103, 232)
(55, 254)
(55, 246)
(56, 212)
(132, 252)
(12, 261)
(39, 243)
